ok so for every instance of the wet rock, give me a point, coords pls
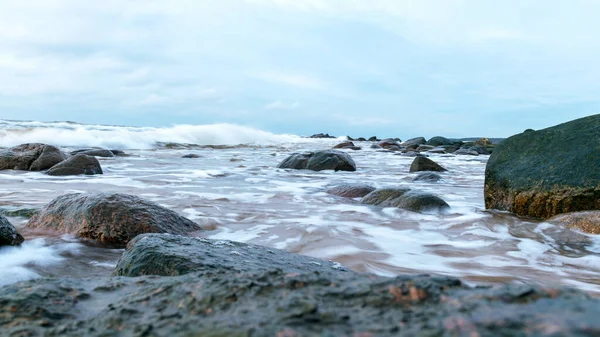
(414, 142)
(546, 172)
(119, 153)
(25, 212)
(588, 221)
(423, 148)
(373, 139)
(95, 153)
(320, 160)
(111, 219)
(321, 135)
(361, 139)
(425, 164)
(411, 154)
(481, 149)
(483, 142)
(75, 165)
(191, 156)
(438, 141)
(268, 300)
(31, 157)
(351, 190)
(8, 234)
(347, 145)
(466, 152)
(170, 255)
(428, 177)
(438, 150)
(405, 198)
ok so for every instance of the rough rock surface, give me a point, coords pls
(351, 190)
(588, 221)
(425, 164)
(405, 198)
(546, 172)
(111, 219)
(320, 160)
(170, 255)
(8, 234)
(31, 157)
(263, 300)
(75, 165)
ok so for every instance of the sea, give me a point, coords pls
(235, 191)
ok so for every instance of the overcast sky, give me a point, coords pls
(347, 67)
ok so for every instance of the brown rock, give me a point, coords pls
(588, 222)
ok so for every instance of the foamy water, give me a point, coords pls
(239, 194)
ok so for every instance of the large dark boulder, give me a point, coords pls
(351, 190)
(412, 200)
(170, 255)
(425, 164)
(320, 160)
(546, 172)
(439, 141)
(75, 165)
(414, 142)
(111, 219)
(8, 233)
(268, 300)
(31, 157)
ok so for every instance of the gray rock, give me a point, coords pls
(412, 200)
(547, 172)
(466, 152)
(425, 164)
(31, 157)
(78, 164)
(428, 177)
(8, 234)
(437, 141)
(414, 142)
(438, 150)
(351, 190)
(423, 148)
(171, 255)
(95, 152)
(191, 156)
(111, 219)
(320, 160)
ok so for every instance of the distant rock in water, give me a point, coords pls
(351, 190)
(320, 160)
(405, 198)
(75, 165)
(8, 234)
(347, 145)
(547, 172)
(171, 255)
(95, 152)
(414, 142)
(428, 177)
(31, 157)
(191, 156)
(422, 163)
(111, 219)
(321, 135)
(587, 221)
(467, 152)
(439, 140)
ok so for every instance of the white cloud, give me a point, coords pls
(295, 80)
(280, 105)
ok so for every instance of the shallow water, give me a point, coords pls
(239, 194)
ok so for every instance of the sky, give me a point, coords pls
(393, 68)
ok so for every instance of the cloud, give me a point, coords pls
(302, 81)
(280, 105)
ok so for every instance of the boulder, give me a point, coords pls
(347, 145)
(108, 218)
(414, 142)
(171, 255)
(483, 142)
(466, 152)
(321, 135)
(546, 172)
(351, 190)
(361, 139)
(31, 157)
(77, 164)
(438, 150)
(428, 177)
(320, 160)
(422, 148)
(587, 221)
(95, 152)
(405, 198)
(373, 139)
(438, 141)
(119, 153)
(481, 149)
(425, 164)
(8, 234)
(191, 156)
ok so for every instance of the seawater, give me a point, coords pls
(236, 193)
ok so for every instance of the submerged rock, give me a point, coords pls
(428, 177)
(286, 298)
(588, 221)
(546, 172)
(31, 157)
(405, 198)
(320, 160)
(351, 190)
(95, 152)
(111, 219)
(191, 156)
(8, 234)
(78, 164)
(467, 152)
(170, 255)
(425, 164)
(347, 145)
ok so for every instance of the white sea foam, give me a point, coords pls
(121, 137)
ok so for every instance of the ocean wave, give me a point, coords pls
(72, 134)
